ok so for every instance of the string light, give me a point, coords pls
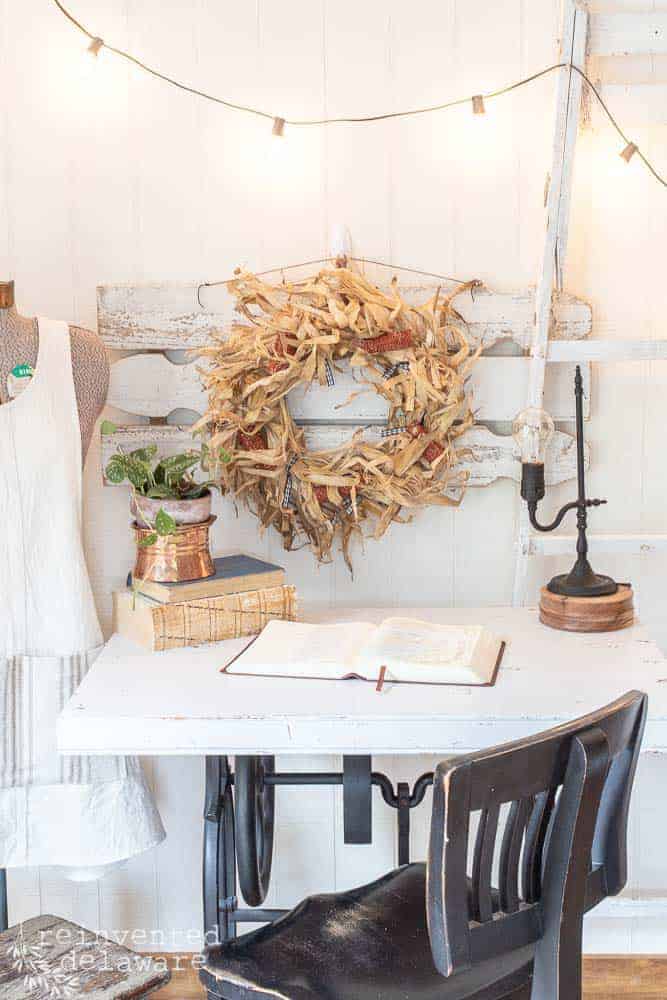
(628, 152)
(95, 46)
(279, 122)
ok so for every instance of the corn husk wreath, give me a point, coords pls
(416, 357)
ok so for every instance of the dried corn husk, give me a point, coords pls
(416, 357)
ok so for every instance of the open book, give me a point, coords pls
(410, 651)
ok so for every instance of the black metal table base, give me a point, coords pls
(238, 830)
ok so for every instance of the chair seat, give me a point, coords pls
(48, 957)
(366, 944)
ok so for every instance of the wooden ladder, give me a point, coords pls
(602, 34)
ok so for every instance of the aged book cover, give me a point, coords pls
(233, 575)
(193, 623)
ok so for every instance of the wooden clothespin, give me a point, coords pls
(381, 677)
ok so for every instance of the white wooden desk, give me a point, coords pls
(179, 703)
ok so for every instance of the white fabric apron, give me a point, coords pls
(76, 812)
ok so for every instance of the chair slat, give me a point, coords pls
(481, 898)
(533, 849)
(510, 854)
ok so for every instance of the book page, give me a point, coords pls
(419, 651)
(296, 649)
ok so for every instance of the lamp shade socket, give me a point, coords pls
(532, 482)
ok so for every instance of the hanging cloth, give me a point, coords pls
(75, 812)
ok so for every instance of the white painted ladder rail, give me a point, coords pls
(604, 35)
(568, 101)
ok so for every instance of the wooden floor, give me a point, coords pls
(605, 979)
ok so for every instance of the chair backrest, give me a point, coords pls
(563, 848)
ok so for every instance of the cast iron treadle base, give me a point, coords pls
(223, 848)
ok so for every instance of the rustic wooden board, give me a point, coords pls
(492, 456)
(550, 280)
(632, 544)
(61, 959)
(167, 316)
(607, 350)
(628, 33)
(149, 385)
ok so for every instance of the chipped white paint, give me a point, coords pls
(496, 457)
(157, 316)
(120, 709)
(568, 100)
(149, 385)
(164, 316)
(595, 349)
(491, 456)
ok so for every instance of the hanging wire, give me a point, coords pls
(329, 260)
(95, 39)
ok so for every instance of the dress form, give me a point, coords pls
(19, 344)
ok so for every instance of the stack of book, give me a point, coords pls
(242, 596)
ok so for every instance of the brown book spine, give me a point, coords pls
(212, 619)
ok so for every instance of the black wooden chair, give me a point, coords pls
(437, 931)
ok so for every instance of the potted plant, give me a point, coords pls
(171, 510)
(164, 492)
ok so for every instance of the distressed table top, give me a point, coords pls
(178, 702)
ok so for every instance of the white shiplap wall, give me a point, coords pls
(106, 176)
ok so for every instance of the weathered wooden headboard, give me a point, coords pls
(151, 321)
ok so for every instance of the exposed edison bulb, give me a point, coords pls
(532, 430)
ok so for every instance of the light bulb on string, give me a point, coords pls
(90, 59)
(628, 152)
(95, 47)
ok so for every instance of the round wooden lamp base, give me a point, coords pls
(588, 614)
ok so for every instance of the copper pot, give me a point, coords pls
(144, 510)
(183, 555)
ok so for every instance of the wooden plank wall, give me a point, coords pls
(106, 177)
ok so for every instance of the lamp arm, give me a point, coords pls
(532, 513)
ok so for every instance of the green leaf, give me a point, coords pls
(148, 540)
(144, 454)
(139, 473)
(108, 427)
(164, 523)
(115, 471)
